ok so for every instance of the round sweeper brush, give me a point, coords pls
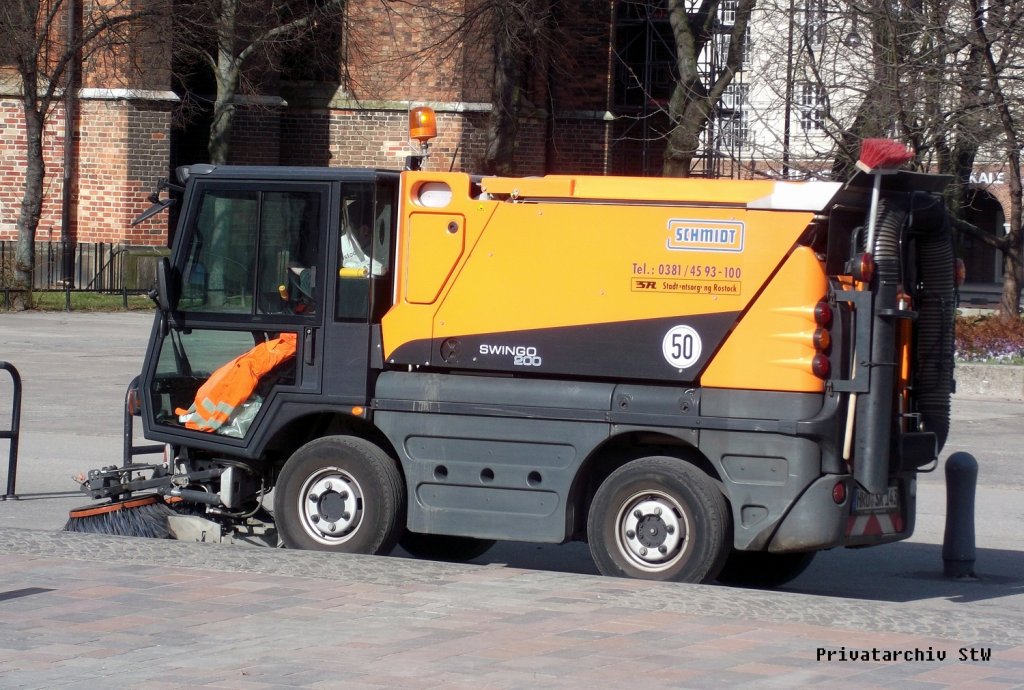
(142, 516)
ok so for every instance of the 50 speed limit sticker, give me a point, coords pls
(681, 346)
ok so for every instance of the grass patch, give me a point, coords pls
(89, 301)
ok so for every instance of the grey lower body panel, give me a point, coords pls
(490, 477)
(491, 457)
(506, 458)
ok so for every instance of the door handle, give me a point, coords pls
(308, 346)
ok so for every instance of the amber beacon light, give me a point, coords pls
(422, 124)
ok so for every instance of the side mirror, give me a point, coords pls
(167, 286)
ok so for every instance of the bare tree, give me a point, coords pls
(45, 48)
(229, 36)
(512, 24)
(998, 31)
(943, 75)
(693, 24)
(522, 44)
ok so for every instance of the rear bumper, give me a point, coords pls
(817, 522)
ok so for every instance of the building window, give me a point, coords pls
(812, 107)
(735, 96)
(733, 117)
(734, 130)
(727, 12)
(815, 21)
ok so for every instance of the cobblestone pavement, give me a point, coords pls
(82, 610)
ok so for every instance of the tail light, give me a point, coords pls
(822, 314)
(821, 366)
(960, 271)
(822, 339)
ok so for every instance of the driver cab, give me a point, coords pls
(271, 264)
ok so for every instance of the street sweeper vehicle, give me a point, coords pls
(700, 378)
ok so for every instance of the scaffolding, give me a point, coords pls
(645, 75)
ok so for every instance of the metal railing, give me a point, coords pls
(14, 432)
(101, 267)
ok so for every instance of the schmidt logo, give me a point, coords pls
(704, 235)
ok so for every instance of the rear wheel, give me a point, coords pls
(659, 518)
(441, 547)
(340, 493)
(761, 569)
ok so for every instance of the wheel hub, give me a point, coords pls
(331, 507)
(652, 531)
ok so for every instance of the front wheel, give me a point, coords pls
(340, 493)
(659, 518)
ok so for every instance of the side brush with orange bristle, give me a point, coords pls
(880, 157)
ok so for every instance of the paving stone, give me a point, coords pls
(156, 613)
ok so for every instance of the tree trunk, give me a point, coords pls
(227, 72)
(1009, 304)
(690, 108)
(687, 108)
(500, 136)
(219, 145)
(684, 139)
(31, 207)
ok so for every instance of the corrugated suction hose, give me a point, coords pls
(936, 306)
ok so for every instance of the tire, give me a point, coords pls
(441, 547)
(763, 570)
(340, 493)
(677, 506)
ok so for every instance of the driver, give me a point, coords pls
(300, 290)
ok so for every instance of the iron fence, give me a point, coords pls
(102, 267)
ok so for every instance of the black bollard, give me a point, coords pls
(958, 543)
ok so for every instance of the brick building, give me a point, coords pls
(593, 104)
(353, 113)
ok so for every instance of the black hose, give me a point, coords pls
(875, 410)
(935, 301)
(931, 282)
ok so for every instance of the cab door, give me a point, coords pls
(362, 287)
(242, 341)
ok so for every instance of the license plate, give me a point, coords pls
(889, 502)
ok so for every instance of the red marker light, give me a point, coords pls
(821, 366)
(839, 493)
(822, 314)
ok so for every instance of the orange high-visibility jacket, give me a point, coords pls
(232, 384)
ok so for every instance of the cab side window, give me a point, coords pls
(357, 230)
(364, 248)
(253, 252)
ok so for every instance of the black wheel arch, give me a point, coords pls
(619, 450)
